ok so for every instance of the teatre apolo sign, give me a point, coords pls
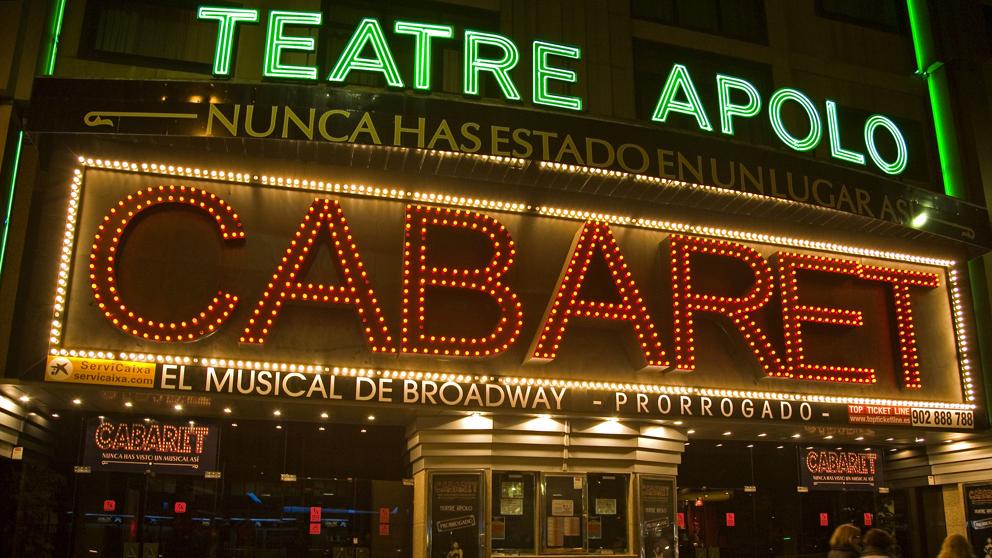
(335, 275)
(497, 56)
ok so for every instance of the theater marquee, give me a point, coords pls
(273, 286)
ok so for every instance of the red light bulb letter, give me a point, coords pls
(105, 251)
(686, 301)
(596, 240)
(901, 280)
(794, 314)
(285, 286)
(419, 274)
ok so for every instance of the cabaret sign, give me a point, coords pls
(497, 57)
(136, 446)
(267, 284)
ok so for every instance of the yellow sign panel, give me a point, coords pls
(80, 370)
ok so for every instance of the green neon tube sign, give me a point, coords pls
(495, 57)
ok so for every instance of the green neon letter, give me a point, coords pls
(728, 110)
(902, 154)
(423, 33)
(228, 19)
(276, 42)
(833, 130)
(367, 32)
(778, 99)
(500, 68)
(679, 78)
(544, 72)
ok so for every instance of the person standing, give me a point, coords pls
(845, 542)
(956, 546)
(877, 544)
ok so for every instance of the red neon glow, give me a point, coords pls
(419, 274)
(323, 217)
(795, 313)
(686, 301)
(596, 240)
(103, 264)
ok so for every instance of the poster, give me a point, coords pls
(606, 506)
(456, 509)
(138, 446)
(978, 507)
(656, 502)
(562, 508)
(511, 506)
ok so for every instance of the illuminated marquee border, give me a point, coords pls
(56, 348)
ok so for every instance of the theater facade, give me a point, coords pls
(344, 280)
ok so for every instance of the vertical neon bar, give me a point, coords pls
(940, 97)
(55, 29)
(10, 198)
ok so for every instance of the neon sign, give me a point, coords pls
(618, 302)
(369, 50)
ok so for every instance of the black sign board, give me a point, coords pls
(840, 469)
(325, 114)
(134, 446)
(657, 514)
(978, 506)
(456, 515)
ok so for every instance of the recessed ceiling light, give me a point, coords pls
(867, 449)
(779, 447)
(687, 443)
(690, 431)
(948, 441)
(719, 445)
(146, 419)
(55, 415)
(918, 440)
(178, 407)
(828, 437)
(277, 412)
(24, 398)
(893, 449)
(727, 433)
(128, 404)
(371, 417)
(796, 435)
(762, 435)
(889, 439)
(859, 438)
(809, 447)
(678, 423)
(192, 423)
(278, 427)
(234, 425)
(322, 429)
(227, 410)
(77, 401)
(750, 445)
(100, 417)
(324, 415)
(364, 431)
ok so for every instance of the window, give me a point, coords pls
(584, 513)
(342, 16)
(512, 526)
(607, 524)
(885, 15)
(735, 19)
(152, 33)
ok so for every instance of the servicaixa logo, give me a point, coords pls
(369, 50)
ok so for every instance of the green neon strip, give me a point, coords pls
(10, 198)
(55, 27)
(940, 98)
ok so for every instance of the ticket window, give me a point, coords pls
(513, 512)
(607, 522)
(563, 513)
